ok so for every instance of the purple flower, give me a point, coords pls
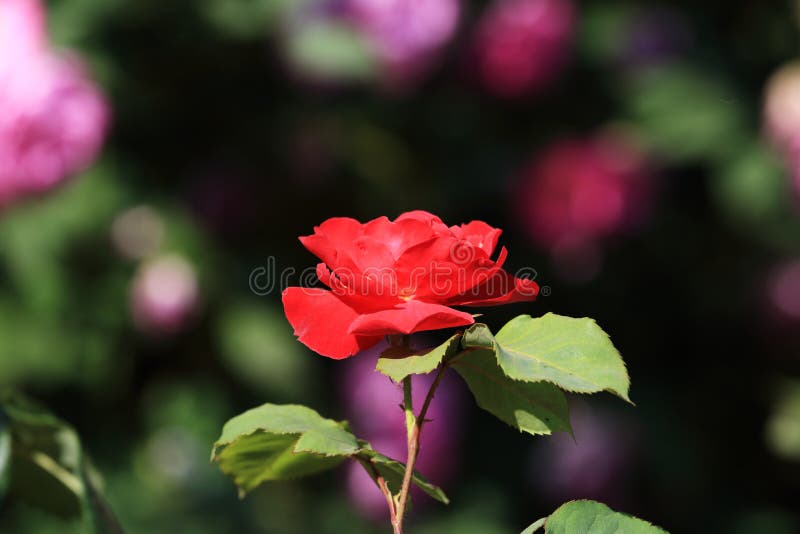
(783, 292)
(406, 34)
(521, 45)
(394, 42)
(655, 35)
(594, 465)
(52, 118)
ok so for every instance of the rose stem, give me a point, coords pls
(413, 430)
(381, 482)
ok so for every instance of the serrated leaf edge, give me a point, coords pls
(496, 344)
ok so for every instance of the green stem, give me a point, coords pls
(413, 430)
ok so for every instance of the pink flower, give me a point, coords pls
(164, 295)
(783, 291)
(782, 116)
(521, 45)
(406, 34)
(580, 191)
(52, 118)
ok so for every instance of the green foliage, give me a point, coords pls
(591, 517)
(42, 464)
(279, 442)
(258, 347)
(330, 50)
(535, 408)
(752, 191)
(782, 430)
(392, 471)
(275, 442)
(684, 114)
(397, 363)
(574, 354)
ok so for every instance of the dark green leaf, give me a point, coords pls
(536, 408)
(47, 465)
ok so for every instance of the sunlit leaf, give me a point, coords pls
(277, 442)
(574, 354)
(398, 363)
(590, 517)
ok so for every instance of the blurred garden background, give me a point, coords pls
(643, 158)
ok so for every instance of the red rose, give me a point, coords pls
(397, 277)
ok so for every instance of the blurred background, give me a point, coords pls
(644, 159)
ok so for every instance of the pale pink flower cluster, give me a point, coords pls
(406, 34)
(782, 116)
(53, 119)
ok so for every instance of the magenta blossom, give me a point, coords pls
(52, 118)
(521, 45)
(783, 292)
(372, 406)
(580, 191)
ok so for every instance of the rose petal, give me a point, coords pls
(331, 237)
(479, 234)
(409, 317)
(400, 235)
(321, 321)
(502, 288)
(430, 219)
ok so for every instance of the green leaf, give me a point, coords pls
(329, 50)
(47, 467)
(534, 526)
(591, 517)
(398, 363)
(574, 354)
(392, 471)
(5, 455)
(535, 408)
(277, 442)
